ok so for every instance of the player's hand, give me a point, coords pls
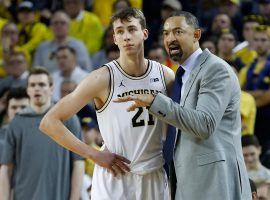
(116, 164)
(140, 100)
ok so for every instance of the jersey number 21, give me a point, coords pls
(136, 122)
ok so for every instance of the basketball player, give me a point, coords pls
(137, 135)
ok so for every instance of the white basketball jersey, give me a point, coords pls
(136, 135)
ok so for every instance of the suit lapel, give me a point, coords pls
(194, 74)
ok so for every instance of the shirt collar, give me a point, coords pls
(189, 64)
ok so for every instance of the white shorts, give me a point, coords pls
(151, 186)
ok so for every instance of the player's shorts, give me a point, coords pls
(151, 186)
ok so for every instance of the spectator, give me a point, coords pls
(17, 70)
(232, 9)
(226, 42)
(245, 50)
(9, 44)
(210, 44)
(100, 57)
(67, 69)
(220, 21)
(17, 100)
(254, 79)
(264, 10)
(167, 8)
(252, 150)
(84, 25)
(157, 53)
(31, 32)
(51, 172)
(67, 86)
(60, 26)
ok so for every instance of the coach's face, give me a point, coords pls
(180, 39)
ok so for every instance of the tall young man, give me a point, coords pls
(137, 136)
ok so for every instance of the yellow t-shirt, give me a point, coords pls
(248, 113)
(89, 30)
(247, 56)
(36, 33)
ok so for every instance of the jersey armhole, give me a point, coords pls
(111, 89)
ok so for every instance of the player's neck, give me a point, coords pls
(134, 65)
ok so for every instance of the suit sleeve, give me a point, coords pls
(213, 98)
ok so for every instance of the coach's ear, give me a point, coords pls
(197, 35)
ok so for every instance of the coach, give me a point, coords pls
(208, 158)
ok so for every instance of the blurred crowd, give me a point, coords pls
(64, 40)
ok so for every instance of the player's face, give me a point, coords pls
(180, 39)
(15, 106)
(251, 156)
(129, 36)
(39, 89)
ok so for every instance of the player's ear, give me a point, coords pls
(145, 34)
(114, 39)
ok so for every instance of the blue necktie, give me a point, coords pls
(168, 147)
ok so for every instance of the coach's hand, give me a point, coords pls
(116, 164)
(140, 100)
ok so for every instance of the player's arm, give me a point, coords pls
(94, 86)
(76, 179)
(5, 180)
